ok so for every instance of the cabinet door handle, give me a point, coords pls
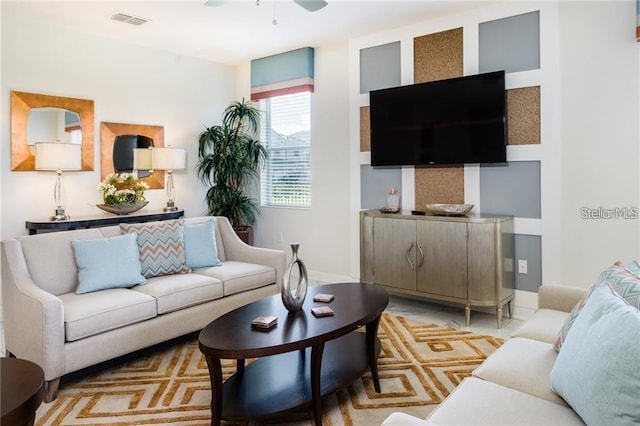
(408, 256)
(421, 256)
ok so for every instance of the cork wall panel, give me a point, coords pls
(439, 184)
(365, 129)
(438, 56)
(523, 116)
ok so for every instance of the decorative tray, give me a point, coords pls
(449, 209)
(388, 210)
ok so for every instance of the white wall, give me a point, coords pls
(600, 138)
(322, 230)
(128, 84)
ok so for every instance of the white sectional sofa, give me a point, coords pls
(47, 322)
(514, 385)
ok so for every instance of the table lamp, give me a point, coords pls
(143, 161)
(169, 159)
(60, 157)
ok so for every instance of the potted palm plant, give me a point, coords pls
(229, 158)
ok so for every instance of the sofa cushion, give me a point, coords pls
(107, 263)
(623, 281)
(478, 402)
(174, 292)
(50, 259)
(240, 276)
(597, 369)
(543, 325)
(523, 365)
(200, 244)
(94, 313)
(161, 246)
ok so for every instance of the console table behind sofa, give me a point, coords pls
(98, 221)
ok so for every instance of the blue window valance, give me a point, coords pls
(282, 74)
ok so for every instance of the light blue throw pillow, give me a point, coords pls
(597, 371)
(103, 263)
(200, 244)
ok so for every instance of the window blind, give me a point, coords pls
(286, 133)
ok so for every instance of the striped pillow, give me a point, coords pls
(622, 279)
(161, 246)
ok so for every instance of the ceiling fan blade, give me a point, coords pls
(311, 5)
(216, 3)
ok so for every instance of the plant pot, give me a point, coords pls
(245, 233)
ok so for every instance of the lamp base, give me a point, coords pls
(171, 207)
(60, 215)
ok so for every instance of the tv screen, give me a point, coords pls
(455, 121)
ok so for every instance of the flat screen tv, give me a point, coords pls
(455, 121)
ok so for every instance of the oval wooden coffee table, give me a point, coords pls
(301, 359)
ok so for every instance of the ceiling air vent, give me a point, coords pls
(129, 19)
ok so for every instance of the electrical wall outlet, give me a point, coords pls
(280, 237)
(522, 266)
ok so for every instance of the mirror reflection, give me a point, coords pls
(49, 124)
(123, 153)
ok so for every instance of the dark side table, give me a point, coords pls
(22, 391)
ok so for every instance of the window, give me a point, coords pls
(285, 131)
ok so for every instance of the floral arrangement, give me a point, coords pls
(122, 188)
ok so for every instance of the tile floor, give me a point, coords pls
(452, 316)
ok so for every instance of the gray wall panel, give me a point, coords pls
(380, 67)
(511, 44)
(511, 189)
(529, 248)
(375, 184)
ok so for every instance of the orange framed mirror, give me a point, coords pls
(24, 109)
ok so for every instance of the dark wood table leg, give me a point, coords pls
(239, 367)
(372, 336)
(215, 375)
(316, 397)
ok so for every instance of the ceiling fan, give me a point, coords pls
(310, 5)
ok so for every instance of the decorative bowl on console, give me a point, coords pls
(122, 209)
(449, 209)
(122, 193)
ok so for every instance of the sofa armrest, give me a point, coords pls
(33, 318)
(238, 250)
(559, 298)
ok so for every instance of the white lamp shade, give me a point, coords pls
(58, 156)
(169, 158)
(142, 159)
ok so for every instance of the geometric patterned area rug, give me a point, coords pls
(419, 365)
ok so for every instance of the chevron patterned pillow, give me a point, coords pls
(161, 246)
(623, 279)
